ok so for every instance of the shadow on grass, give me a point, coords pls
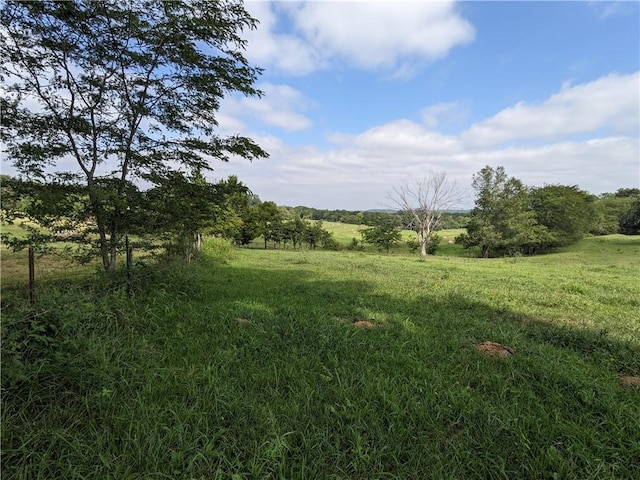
(303, 294)
(173, 381)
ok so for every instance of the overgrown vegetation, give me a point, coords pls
(510, 218)
(211, 361)
(249, 364)
(128, 92)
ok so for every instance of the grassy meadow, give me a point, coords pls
(274, 364)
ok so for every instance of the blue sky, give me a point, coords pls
(361, 96)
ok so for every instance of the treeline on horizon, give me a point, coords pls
(508, 217)
(457, 219)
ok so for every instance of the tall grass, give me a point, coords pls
(249, 364)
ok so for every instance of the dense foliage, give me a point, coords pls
(127, 91)
(386, 234)
(502, 221)
(510, 218)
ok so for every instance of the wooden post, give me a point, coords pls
(129, 252)
(32, 277)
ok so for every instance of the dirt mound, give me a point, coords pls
(493, 349)
(365, 324)
(629, 381)
(360, 323)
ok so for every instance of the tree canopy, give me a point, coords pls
(385, 234)
(105, 93)
(566, 211)
(502, 220)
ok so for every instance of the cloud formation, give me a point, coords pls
(281, 106)
(609, 103)
(564, 139)
(317, 33)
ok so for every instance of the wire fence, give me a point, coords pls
(28, 278)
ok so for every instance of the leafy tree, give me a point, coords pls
(630, 222)
(610, 212)
(234, 199)
(48, 212)
(124, 90)
(384, 235)
(314, 234)
(294, 231)
(627, 192)
(424, 204)
(502, 221)
(267, 217)
(179, 210)
(567, 212)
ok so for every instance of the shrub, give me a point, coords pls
(355, 245)
(433, 243)
(413, 245)
(219, 249)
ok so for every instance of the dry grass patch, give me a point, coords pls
(361, 323)
(629, 381)
(493, 349)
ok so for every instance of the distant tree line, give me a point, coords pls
(373, 217)
(508, 217)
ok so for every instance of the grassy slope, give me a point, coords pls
(252, 368)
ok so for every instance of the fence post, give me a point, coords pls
(32, 277)
(129, 255)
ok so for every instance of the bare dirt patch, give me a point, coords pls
(360, 323)
(629, 381)
(493, 349)
(365, 324)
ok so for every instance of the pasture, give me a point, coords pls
(255, 364)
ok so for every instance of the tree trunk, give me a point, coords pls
(104, 248)
(423, 238)
(113, 254)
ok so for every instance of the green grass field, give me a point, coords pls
(276, 364)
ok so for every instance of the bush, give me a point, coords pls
(432, 246)
(355, 245)
(413, 245)
(45, 343)
(220, 249)
(330, 243)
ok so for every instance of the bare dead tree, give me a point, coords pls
(424, 203)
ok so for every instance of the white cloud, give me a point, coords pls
(611, 103)
(444, 114)
(406, 138)
(361, 177)
(280, 107)
(358, 171)
(368, 34)
(268, 46)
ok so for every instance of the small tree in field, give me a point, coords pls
(424, 202)
(385, 234)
